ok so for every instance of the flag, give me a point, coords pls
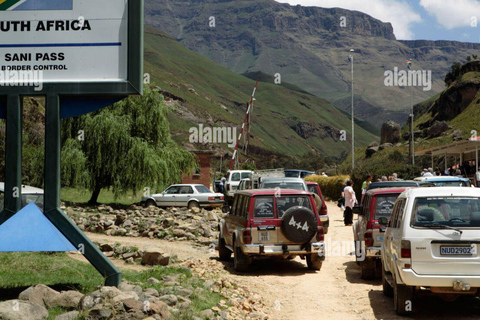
(409, 64)
(36, 5)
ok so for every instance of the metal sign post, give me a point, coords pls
(87, 62)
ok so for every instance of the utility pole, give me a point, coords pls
(412, 138)
(350, 57)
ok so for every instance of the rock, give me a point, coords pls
(87, 302)
(25, 293)
(385, 146)
(106, 247)
(390, 132)
(110, 292)
(169, 299)
(125, 296)
(178, 233)
(100, 314)
(130, 261)
(151, 292)
(42, 295)
(370, 151)
(20, 309)
(437, 128)
(153, 280)
(208, 313)
(132, 304)
(161, 308)
(72, 315)
(67, 299)
(154, 256)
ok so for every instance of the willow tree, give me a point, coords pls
(125, 147)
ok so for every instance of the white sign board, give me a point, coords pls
(63, 40)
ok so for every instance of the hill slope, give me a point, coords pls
(307, 46)
(286, 121)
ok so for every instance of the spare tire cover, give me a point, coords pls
(299, 224)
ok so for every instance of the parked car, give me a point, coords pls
(313, 187)
(185, 195)
(368, 234)
(431, 245)
(442, 181)
(393, 184)
(294, 173)
(245, 184)
(233, 180)
(263, 224)
(29, 194)
(284, 183)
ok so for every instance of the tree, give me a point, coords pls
(125, 147)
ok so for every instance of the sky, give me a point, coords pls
(416, 19)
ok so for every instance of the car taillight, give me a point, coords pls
(222, 197)
(323, 210)
(368, 239)
(211, 198)
(228, 187)
(320, 234)
(247, 237)
(406, 250)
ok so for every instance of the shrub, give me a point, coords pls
(331, 186)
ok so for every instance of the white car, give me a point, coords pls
(432, 245)
(233, 180)
(29, 194)
(185, 195)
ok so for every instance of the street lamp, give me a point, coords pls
(350, 58)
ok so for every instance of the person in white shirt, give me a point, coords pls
(477, 177)
(350, 201)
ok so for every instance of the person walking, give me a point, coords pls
(223, 181)
(365, 185)
(350, 201)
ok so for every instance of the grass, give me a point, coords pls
(19, 270)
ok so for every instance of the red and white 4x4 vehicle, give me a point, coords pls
(272, 223)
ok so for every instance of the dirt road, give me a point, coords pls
(291, 291)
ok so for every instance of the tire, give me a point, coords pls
(150, 202)
(223, 252)
(299, 224)
(402, 298)
(387, 288)
(193, 204)
(313, 262)
(367, 273)
(240, 261)
(356, 256)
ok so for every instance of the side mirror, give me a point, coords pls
(226, 209)
(358, 209)
(383, 221)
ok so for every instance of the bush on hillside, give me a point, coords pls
(331, 186)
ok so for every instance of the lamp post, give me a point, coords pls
(412, 138)
(350, 57)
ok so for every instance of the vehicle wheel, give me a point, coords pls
(193, 204)
(387, 288)
(402, 298)
(367, 273)
(313, 262)
(223, 252)
(150, 202)
(299, 224)
(356, 250)
(240, 261)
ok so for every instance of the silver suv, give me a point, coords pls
(432, 245)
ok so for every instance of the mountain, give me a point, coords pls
(284, 120)
(308, 47)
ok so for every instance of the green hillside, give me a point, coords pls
(202, 91)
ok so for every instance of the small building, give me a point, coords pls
(202, 175)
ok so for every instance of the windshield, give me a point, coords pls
(284, 185)
(292, 174)
(447, 211)
(384, 205)
(246, 175)
(203, 189)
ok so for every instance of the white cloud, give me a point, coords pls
(400, 14)
(453, 14)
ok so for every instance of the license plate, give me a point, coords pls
(451, 250)
(380, 238)
(264, 236)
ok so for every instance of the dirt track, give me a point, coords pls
(291, 291)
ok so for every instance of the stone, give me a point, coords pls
(390, 132)
(106, 247)
(371, 151)
(385, 146)
(20, 309)
(169, 299)
(25, 293)
(151, 292)
(42, 295)
(100, 314)
(132, 304)
(110, 292)
(87, 302)
(154, 256)
(125, 296)
(208, 313)
(72, 315)
(178, 233)
(161, 308)
(153, 280)
(437, 128)
(67, 299)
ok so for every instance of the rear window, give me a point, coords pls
(263, 207)
(292, 174)
(449, 211)
(450, 183)
(203, 189)
(285, 185)
(245, 175)
(285, 203)
(384, 205)
(235, 176)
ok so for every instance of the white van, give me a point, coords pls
(432, 245)
(233, 180)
